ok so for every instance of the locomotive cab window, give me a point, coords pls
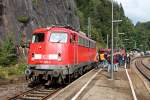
(58, 37)
(73, 38)
(38, 37)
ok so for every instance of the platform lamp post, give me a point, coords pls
(89, 27)
(121, 38)
(111, 72)
(107, 41)
(112, 41)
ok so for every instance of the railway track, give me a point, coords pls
(144, 69)
(38, 93)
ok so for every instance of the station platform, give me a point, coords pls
(102, 88)
(99, 88)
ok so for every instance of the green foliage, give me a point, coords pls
(100, 13)
(35, 2)
(23, 19)
(7, 53)
(142, 34)
(8, 72)
(3, 73)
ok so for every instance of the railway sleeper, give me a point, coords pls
(29, 98)
(35, 95)
(40, 93)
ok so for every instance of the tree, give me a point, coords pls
(7, 53)
(100, 13)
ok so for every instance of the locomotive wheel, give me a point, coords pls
(84, 70)
(41, 80)
(68, 79)
(81, 71)
(75, 75)
(33, 82)
(54, 82)
(49, 82)
(60, 80)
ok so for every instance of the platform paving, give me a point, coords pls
(101, 88)
(140, 84)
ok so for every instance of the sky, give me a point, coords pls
(136, 10)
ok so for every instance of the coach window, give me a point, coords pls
(92, 45)
(82, 42)
(88, 43)
(79, 40)
(58, 37)
(85, 43)
(38, 37)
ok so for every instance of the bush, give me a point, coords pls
(35, 2)
(3, 74)
(8, 72)
(23, 19)
(8, 53)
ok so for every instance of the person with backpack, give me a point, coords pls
(101, 59)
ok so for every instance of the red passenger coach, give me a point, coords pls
(58, 52)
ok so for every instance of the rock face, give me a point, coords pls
(21, 17)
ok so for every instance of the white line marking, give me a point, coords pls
(81, 90)
(131, 85)
(69, 85)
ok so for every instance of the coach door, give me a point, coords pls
(75, 48)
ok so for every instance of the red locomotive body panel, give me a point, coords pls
(56, 48)
(46, 49)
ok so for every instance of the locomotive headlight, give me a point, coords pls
(55, 57)
(37, 56)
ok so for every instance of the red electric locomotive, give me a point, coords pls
(56, 53)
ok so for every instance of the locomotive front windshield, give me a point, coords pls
(58, 37)
(38, 37)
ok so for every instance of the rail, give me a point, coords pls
(140, 57)
(143, 69)
(38, 93)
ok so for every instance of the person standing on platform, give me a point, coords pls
(96, 59)
(115, 63)
(102, 58)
